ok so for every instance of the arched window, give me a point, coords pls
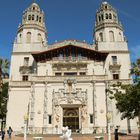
(106, 15)
(33, 17)
(100, 36)
(102, 17)
(20, 38)
(36, 18)
(29, 17)
(120, 37)
(110, 16)
(39, 37)
(28, 40)
(39, 19)
(99, 18)
(111, 36)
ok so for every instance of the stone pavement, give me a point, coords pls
(77, 137)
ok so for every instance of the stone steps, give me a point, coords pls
(75, 137)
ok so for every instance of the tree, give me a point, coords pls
(4, 65)
(128, 96)
(135, 70)
(3, 102)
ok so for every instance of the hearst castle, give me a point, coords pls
(65, 84)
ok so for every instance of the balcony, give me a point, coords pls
(69, 59)
(25, 69)
(83, 78)
(114, 65)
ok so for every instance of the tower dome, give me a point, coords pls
(33, 15)
(107, 26)
(106, 14)
(33, 25)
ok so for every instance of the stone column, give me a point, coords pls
(45, 117)
(32, 103)
(94, 104)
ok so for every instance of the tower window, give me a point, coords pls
(99, 18)
(120, 37)
(39, 37)
(82, 73)
(39, 19)
(105, 6)
(101, 37)
(29, 17)
(25, 78)
(114, 60)
(33, 17)
(115, 76)
(20, 38)
(26, 61)
(36, 18)
(33, 8)
(111, 36)
(110, 16)
(102, 17)
(58, 74)
(106, 15)
(28, 40)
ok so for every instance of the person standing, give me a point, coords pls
(116, 134)
(9, 131)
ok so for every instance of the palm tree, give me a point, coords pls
(4, 65)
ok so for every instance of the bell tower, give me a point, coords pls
(32, 31)
(31, 37)
(108, 30)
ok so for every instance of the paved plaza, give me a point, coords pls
(78, 137)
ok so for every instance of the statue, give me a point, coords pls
(66, 134)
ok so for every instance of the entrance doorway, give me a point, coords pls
(71, 118)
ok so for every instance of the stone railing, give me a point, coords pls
(87, 78)
(122, 81)
(115, 65)
(69, 59)
(19, 84)
(62, 78)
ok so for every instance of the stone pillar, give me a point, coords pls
(32, 103)
(45, 117)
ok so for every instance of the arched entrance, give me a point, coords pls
(71, 118)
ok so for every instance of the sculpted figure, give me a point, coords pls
(66, 133)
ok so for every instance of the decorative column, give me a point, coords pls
(56, 112)
(94, 104)
(45, 110)
(109, 116)
(108, 110)
(32, 104)
(25, 126)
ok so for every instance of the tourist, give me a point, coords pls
(9, 132)
(116, 134)
(2, 134)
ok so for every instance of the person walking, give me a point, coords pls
(2, 134)
(9, 132)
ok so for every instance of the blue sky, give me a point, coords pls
(69, 19)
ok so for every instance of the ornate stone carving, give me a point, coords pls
(57, 113)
